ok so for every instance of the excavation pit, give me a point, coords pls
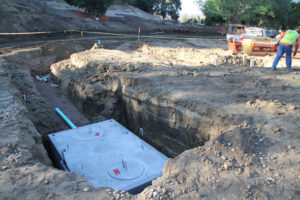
(179, 104)
(180, 97)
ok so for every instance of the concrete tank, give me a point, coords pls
(108, 155)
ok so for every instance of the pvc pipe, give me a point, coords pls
(65, 118)
(251, 63)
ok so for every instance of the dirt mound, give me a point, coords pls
(221, 169)
(246, 141)
(36, 15)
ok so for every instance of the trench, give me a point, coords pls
(159, 126)
(163, 127)
(158, 121)
(171, 129)
(168, 128)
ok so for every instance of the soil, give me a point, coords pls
(230, 130)
(182, 98)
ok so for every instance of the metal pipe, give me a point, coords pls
(65, 118)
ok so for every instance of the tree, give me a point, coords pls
(269, 13)
(237, 11)
(294, 15)
(167, 7)
(92, 7)
(173, 8)
(212, 16)
(145, 5)
(281, 8)
(161, 7)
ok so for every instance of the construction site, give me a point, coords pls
(141, 109)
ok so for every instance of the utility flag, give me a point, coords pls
(139, 31)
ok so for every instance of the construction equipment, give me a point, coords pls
(250, 40)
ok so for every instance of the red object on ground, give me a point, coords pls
(103, 19)
(116, 171)
(260, 48)
(235, 46)
(97, 134)
(83, 15)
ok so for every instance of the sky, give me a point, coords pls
(189, 8)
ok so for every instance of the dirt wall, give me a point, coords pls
(26, 171)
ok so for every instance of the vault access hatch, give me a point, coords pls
(108, 155)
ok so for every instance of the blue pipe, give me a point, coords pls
(65, 118)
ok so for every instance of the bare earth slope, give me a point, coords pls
(53, 15)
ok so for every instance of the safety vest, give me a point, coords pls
(290, 37)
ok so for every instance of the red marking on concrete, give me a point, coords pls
(97, 134)
(116, 171)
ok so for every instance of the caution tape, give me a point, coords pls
(31, 33)
(143, 36)
(112, 34)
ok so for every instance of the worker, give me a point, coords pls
(287, 40)
(279, 36)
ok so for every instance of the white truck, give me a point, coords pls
(255, 33)
(240, 32)
(235, 31)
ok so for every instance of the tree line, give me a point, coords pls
(268, 13)
(163, 8)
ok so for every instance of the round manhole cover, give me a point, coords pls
(89, 133)
(126, 169)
